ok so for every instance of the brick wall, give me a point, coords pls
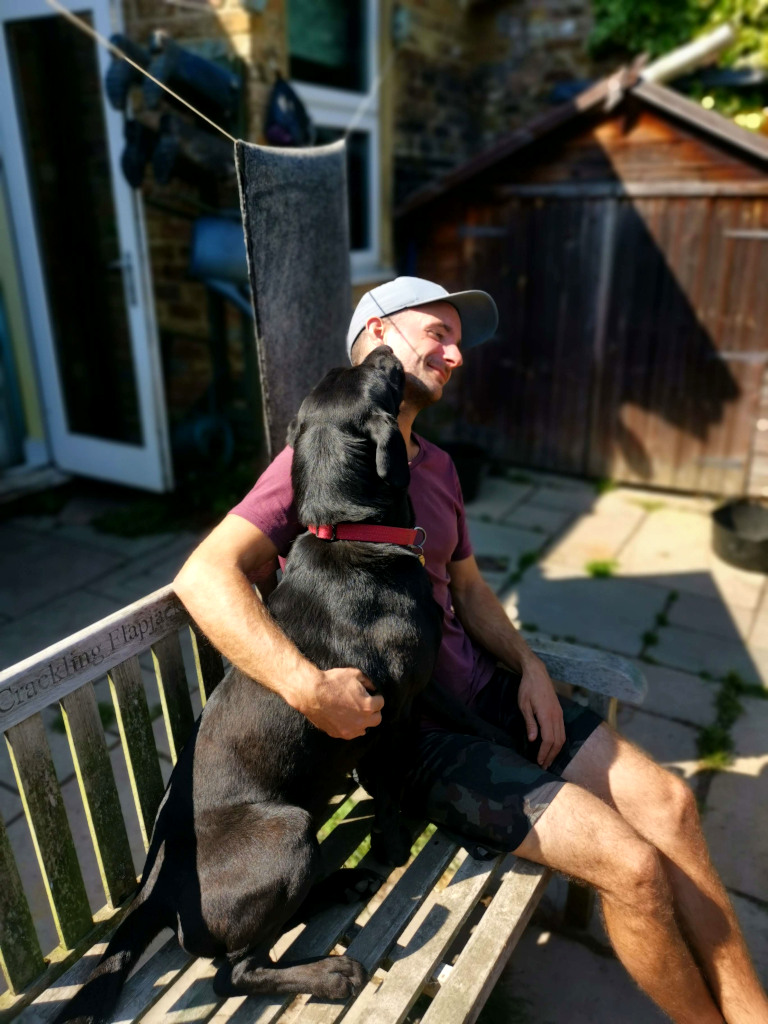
(468, 73)
(185, 318)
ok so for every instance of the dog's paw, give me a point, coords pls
(342, 978)
(392, 847)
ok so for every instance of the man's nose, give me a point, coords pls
(452, 355)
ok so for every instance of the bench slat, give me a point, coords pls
(373, 943)
(208, 662)
(423, 945)
(174, 692)
(135, 725)
(463, 994)
(51, 834)
(20, 954)
(99, 793)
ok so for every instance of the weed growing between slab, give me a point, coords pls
(714, 742)
(651, 636)
(601, 569)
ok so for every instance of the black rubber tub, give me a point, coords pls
(740, 534)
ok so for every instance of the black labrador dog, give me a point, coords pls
(233, 854)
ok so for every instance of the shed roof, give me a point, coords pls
(607, 94)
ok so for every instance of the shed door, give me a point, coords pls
(78, 230)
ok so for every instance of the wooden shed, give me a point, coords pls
(624, 236)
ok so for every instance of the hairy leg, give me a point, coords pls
(662, 809)
(580, 835)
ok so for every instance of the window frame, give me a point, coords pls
(330, 107)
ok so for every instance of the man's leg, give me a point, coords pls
(662, 809)
(581, 836)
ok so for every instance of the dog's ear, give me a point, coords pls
(292, 432)
(391, 454)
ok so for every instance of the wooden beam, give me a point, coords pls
(634, 190)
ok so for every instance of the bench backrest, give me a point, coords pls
(63, 676)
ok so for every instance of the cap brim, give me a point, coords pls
(478, 312)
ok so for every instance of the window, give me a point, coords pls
(333, 61)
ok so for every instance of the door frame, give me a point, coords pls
(148, 465)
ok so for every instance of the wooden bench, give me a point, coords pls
(443, 926)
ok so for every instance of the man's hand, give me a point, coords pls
(541, 709)
(342, 702)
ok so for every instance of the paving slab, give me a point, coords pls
(594, 538)
(497, 498)
(736, 823)
(36, 630)
(544, 478)
(542, 520)
(148, 573)
(758, 634)
(610, 613)
(572, 499)
(551, 979)
(673, 547)
(695, 652)
(753, 919)
(668, 742)
(711, 615)
(495, 541)
(678, 695)
(38, 568)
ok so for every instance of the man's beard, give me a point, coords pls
(417, 394)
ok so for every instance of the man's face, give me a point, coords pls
(427, 342)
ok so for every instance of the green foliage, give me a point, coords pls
(526, 560)
(603, 486)
(602, 568)
(625, 28)
(650, 639)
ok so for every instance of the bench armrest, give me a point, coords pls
(599, 671)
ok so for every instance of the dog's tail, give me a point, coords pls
(96, 1000)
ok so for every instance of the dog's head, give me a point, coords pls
(349, 457)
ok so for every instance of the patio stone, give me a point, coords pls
(678, 695)
(62, 616)
(754, 923)
(673, 547)
(126, 547)
(610, 613)
(10, 802)
(696, 652)
(148, 573)
(666, 741)
(759, 632)
(497, 498)
(711, 615)
(594, 538)
(538, 518)
(571, 499)
(494, 541)
(38, 568)
(551, 978)
(736, 823)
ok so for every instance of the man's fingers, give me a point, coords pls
(372, 704)
(531, 725)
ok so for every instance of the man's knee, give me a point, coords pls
(640, 879)
(676, 806)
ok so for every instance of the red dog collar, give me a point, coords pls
(371, 532)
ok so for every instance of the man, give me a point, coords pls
(573, 794)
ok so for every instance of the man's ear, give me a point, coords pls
(391, 454)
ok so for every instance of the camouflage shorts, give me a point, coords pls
(486, 793)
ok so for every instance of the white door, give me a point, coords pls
(80, 238)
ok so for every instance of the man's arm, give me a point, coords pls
(215, 588)
(487, 623)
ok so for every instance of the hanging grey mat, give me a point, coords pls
(294, 205)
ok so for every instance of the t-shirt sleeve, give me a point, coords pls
(269, 504)
(463, 547)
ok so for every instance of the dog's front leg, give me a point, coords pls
(382, 773)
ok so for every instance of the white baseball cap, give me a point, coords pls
(477, 310)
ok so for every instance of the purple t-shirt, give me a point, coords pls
(462, 669)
